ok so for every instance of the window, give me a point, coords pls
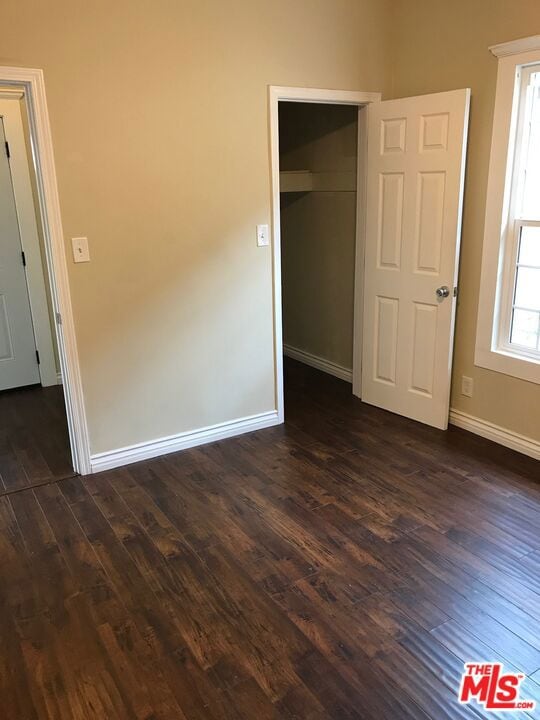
(520, 319)
(508, 331)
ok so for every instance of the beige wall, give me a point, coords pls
(160, 126)
(318, 229)
(159, 117)
(443, 45)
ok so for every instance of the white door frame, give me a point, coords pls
(279, 94)
(31, 82)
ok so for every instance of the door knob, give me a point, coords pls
(442, 292)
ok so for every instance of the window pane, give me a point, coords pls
(528, 288)
(529, 247)
(525, 329)
(530, 208)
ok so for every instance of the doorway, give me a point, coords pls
(334, 121)
(34, 438)
(29, 86)
(28, 353)
(318, 156)
(411, 166)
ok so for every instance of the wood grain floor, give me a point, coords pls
(34, 442)
(342, 566)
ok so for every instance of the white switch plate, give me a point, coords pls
(467, 386)
(81, 253)
(263, 235)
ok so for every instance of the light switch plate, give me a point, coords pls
(81, 253)
(263, 235)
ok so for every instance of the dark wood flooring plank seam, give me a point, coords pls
(491, 582)
(52, 481)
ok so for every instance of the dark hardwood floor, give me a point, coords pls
(34, 441)
(342, 566)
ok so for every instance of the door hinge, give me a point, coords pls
(7, 149)
(58, 318)
(37, 357)
(23, 258)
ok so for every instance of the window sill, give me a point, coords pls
(517, 366)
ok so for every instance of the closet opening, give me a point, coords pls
(319, 229)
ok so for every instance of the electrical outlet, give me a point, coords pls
(467, 386)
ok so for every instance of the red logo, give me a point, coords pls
(490, 686)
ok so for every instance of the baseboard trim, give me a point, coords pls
(182, 441)
(319, 363)
(497, 434)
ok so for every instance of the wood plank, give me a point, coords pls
(343, 565)
(34, 441)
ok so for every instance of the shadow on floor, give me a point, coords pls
(34, 440)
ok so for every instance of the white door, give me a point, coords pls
(18, 362)
(415, 173)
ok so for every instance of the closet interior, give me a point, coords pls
(318, 203)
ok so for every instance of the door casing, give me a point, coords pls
(279, 94)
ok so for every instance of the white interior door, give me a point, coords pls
(18, 363)
(415, 173)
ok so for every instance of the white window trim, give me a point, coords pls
(490, 352)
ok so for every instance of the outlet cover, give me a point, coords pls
(467, 386)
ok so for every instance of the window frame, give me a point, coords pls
(508, 293)
(501, 234)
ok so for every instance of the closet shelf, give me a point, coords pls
(295, 181)
(292, 181)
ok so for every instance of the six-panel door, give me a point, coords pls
(416, 160)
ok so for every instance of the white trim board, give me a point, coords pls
(31, 82)
(321, 95)
(182, 441)
(319, 363)
(514, 47)
(500, 435)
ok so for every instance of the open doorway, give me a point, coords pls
(30, 85)
(318, 144)
(318, 159)
(34, 437)
(411, 167)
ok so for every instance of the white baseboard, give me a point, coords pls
(182, 441)
(319, 363)
(498, 434)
